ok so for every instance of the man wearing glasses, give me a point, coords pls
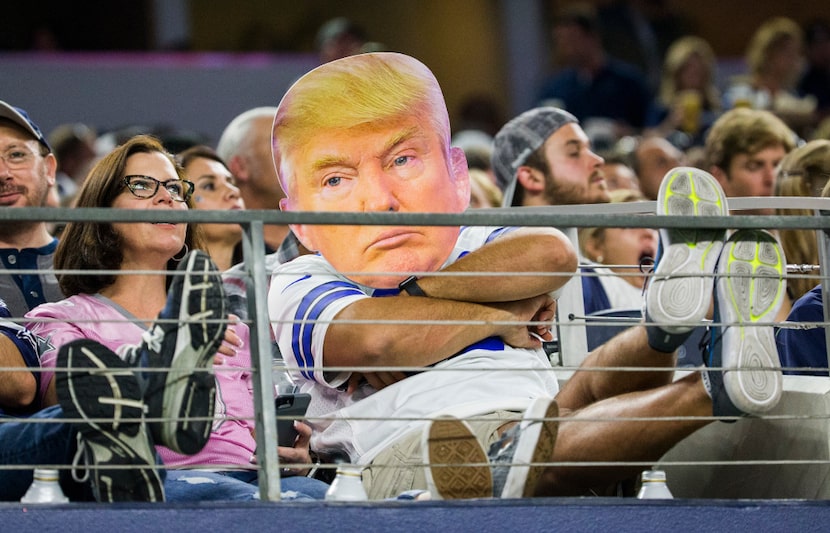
(27, 173)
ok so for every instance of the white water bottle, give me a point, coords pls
(347, 485)
(654, 486)
(44, 488)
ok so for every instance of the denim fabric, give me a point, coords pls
(200, 485)
(27, 441)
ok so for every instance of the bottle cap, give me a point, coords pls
(654, 476)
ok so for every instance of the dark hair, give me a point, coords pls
(96, 245)
(200, 151)
(579, 14)
(535, 160)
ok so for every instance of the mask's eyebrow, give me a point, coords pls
(329, 161)
(401, 138)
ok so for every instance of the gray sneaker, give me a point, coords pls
(751, 286)
(680, 291)
(178, 353)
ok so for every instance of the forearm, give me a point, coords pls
(17, 383)
(545, 254)
(424, 331)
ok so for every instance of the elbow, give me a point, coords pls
(23, 392)
(564, 259)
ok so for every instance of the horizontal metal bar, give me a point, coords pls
(631, 214)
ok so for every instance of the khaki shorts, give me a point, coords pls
(400, 467)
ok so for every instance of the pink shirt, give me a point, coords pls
(100, 319)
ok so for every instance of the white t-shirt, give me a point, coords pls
(307, 293)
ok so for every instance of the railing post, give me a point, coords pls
(253, 248)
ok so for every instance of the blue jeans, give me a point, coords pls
(25, 441)
(52, 442)
(200, 485)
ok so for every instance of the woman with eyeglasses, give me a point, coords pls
(116, 278)
(214, 188)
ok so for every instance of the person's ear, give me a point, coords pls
(593, 248)
(531, 179)
(721, 176)
(51, 168)
(238, 168)
(461, 178)
(299, 230)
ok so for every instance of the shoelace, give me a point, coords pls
(646, 266)
(80, 454)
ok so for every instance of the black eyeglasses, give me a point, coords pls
(146, 187)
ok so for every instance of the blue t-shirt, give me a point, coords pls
(804, 347)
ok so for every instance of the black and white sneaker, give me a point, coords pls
(177, 353)
(744, 372)
(103, 394)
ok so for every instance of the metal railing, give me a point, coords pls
(253, 221)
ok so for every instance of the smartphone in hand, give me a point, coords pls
(293, 406)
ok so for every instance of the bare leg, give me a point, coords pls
(609, 431)
(598, 379)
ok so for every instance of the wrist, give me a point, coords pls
(411, 287)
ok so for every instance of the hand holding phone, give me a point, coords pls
(293, 406)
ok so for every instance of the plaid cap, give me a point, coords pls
(21, 118)
(521, 137)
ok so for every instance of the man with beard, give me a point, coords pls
(27, 173)
(546, 159)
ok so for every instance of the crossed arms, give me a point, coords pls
(502, 304)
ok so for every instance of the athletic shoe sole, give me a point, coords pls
(537, 440)
(102, 391)
(183, 397)
(750, 289)
(457, 466)
(680, 291)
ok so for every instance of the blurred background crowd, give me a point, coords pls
(643, 76)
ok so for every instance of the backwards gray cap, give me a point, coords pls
(521, 137)
(21, 118)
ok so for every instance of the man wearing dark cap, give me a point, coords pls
(27, 173)
(546, 159)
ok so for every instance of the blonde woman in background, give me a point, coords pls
(483, 192)
(803, 172)
(775, 58)
(688, 100)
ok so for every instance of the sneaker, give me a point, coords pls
(457, 467)
(181, 399)
(517, 457)
(680, 291)
(102, 392)
(750, 289)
